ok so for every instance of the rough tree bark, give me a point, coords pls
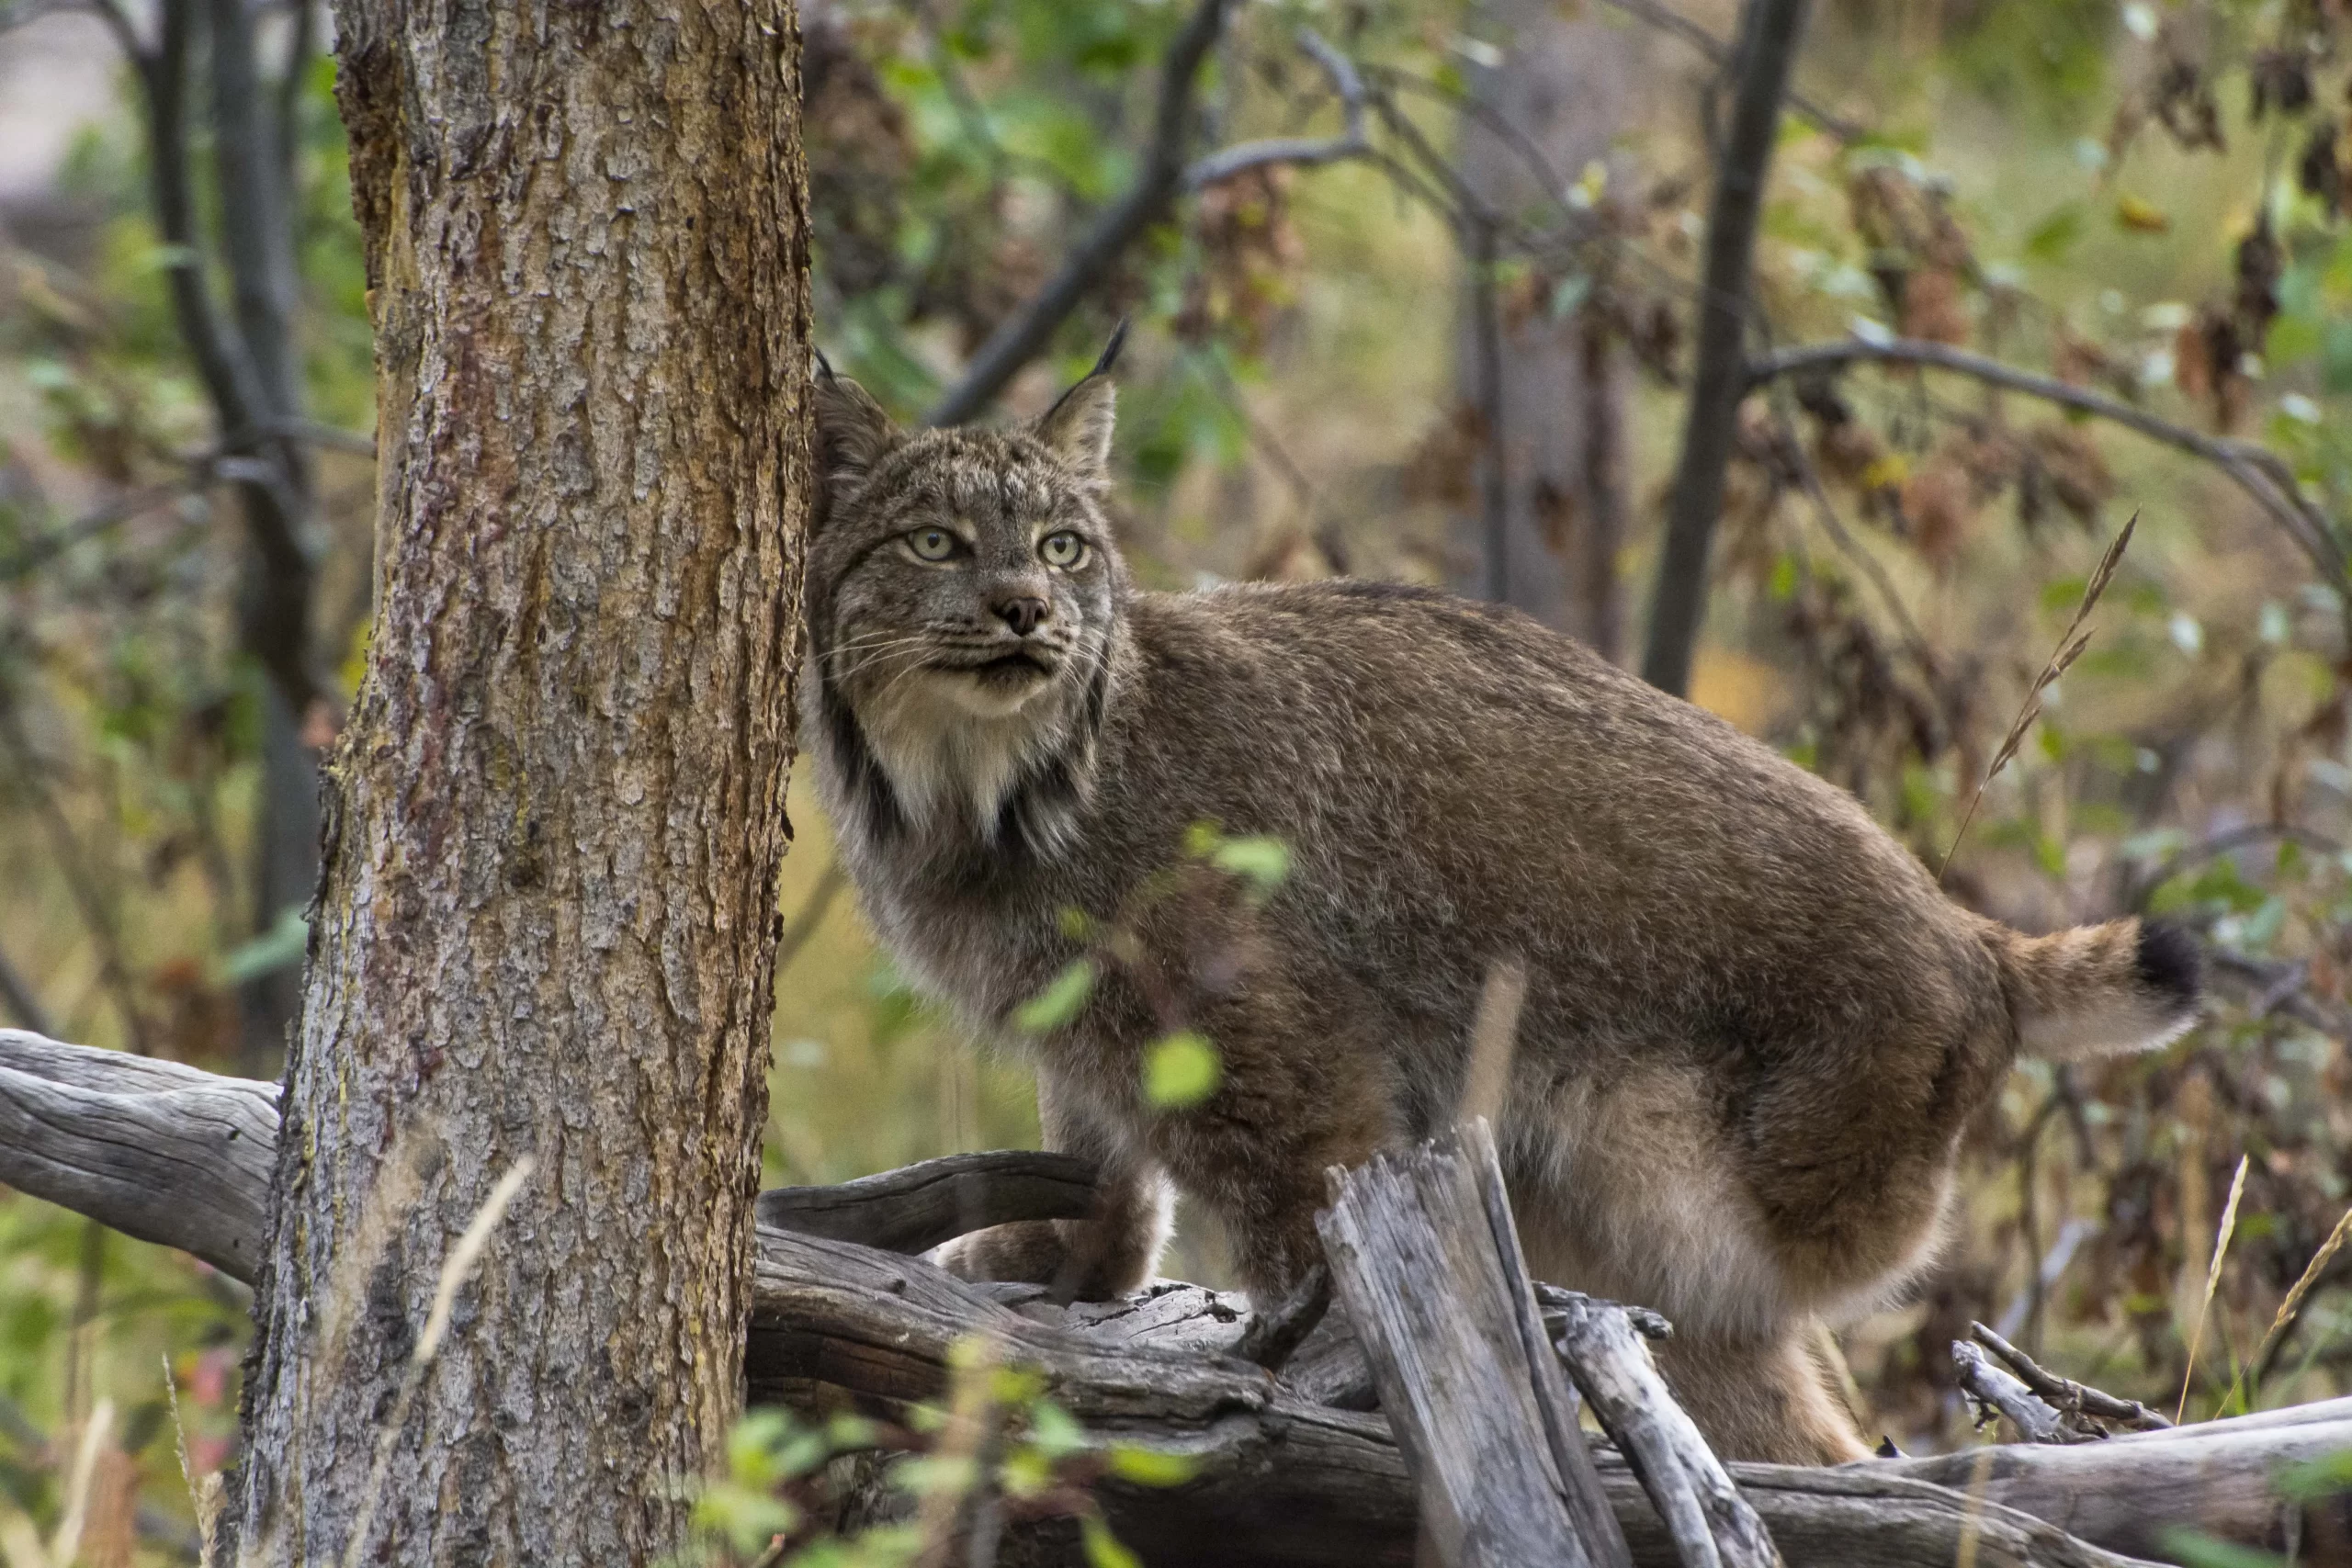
(1565, 83)
(546, 924)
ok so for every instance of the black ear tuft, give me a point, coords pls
(2169, 964)
(1111, 350)
(1078, 427)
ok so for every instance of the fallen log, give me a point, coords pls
(1280, 1477)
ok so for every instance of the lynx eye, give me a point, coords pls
(932, 544)
(1064, 550)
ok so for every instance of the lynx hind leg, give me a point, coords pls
(1105, 1255)
(1768, 1400)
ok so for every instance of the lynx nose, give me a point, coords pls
(1022, 613)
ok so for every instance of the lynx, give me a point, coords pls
(1753, 1027)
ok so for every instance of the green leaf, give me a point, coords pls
(1151, 1467)
(1263, 860)
(1181, 1071)
(2056, 234)
(1059, 1002)
(2192, 1548)
(280, 947)
(1102, 1548)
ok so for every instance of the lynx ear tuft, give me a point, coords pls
(853, 432)
(1078, 428)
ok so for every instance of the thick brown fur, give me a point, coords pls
(1753, 1027)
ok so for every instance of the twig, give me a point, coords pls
(2212, 1280)
(38, 552)
(23, 1003)
(1493, 451)
(1809, 476)
(1273, 1335)
(2071, 643)
(1720, 53)
(1019, 338)
(2256, 470)
(1769, 33)
(1352, 141)
(2066, 1395)
(81, 880)
(810, 915)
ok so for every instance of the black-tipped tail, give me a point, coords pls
(2170, 965)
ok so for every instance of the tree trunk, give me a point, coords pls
(1567, 85)
(545, 930)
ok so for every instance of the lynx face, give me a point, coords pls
(963, 589)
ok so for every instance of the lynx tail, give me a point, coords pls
(2099, 990)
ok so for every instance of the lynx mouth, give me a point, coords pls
(1008, 669)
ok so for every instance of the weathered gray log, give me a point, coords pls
(1277, 1481)
(916, 1207)
(1555, 1397)
(2130, 1491)
(1281, 1477)
(1712, 1524)
(159, 1151)
(1446, 1318)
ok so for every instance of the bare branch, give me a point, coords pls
(2066, 1394)
(1717, 51)
(1024, 333)
(1352, 141)
(82, 878)
(37, 552)
(2261, 473)
(23, 1001)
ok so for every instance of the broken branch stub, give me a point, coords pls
(1713, 1525)
(1440, 1313)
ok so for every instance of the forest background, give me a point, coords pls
(1461, 313)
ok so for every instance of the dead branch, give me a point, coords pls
(1278, 1477)
(919, 1206)
(2256, 470)
(2065, 1393)
(1020, 337)
(1712, 1524)
(1995, 1394)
